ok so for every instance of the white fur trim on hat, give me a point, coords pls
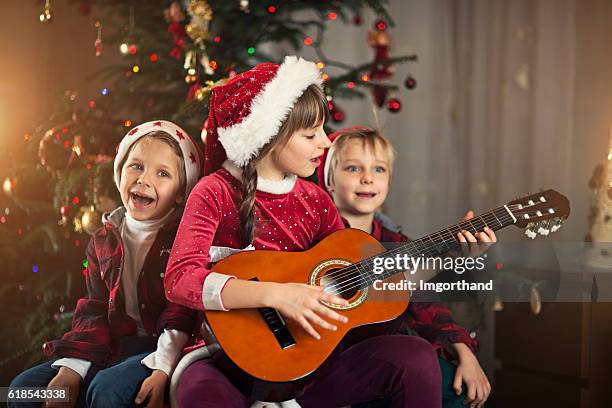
(191, 153)
(269, 109)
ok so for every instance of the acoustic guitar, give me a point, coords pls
(280, 355)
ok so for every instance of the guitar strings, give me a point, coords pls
(356, 271)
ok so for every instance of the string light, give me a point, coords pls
(92, 104)
(350, 84)
(153, 57)
(325, 77)
(332, 16)
(251, 50)
(136, 68)
(308, 41)
(132, 49)
(320, 65)
(35, 268)
(104, 91)
(271, 9)
(124, 48)
(127, 123)
(217, 39)
(75, 200)
(365, 77)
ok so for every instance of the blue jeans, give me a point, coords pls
(115, 386)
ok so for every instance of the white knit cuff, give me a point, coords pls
(211, 291)
(79, 365)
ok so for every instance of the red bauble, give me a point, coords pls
(394, 105)
(410, 82)
(338, 115)
(380, 95)
(380, 25)
(357, 20)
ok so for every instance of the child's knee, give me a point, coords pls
(102, 392)
(414, 357)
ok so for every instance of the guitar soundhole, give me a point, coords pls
(341, 282)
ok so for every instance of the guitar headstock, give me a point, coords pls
(540, 213)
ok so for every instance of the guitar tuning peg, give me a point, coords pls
(556, 225)
(530, 231)
(543, 228)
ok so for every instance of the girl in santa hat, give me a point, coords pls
(264, 132)
(126, 338)
(356, 171)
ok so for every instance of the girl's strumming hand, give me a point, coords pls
(302, 303)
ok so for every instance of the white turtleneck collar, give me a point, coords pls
(283, 186)
(139, 228)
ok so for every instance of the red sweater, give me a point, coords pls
(290, 221)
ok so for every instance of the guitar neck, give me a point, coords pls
(437, 243)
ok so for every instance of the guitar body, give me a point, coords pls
(285, 360)
(281, 356)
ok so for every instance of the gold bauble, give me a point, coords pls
(201, 9)
(88, 220)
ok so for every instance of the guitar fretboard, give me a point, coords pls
(430, 245)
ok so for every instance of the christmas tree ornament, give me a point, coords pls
(394, 105)
(198, 30)
(410, 82)
(380, 95)
(380, 25)
(87, 220)
(65, 210)
(98, 42)
(128, 46)
(54, 148)
(335, 112)
(46, 16)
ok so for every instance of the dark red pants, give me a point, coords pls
(404, 368)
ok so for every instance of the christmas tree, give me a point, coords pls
(173, 53)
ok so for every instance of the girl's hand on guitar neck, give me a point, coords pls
(302, 303)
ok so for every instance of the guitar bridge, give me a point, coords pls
(277, 325)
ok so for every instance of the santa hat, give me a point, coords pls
(249, 110)
(192, 155)
(324, 169)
